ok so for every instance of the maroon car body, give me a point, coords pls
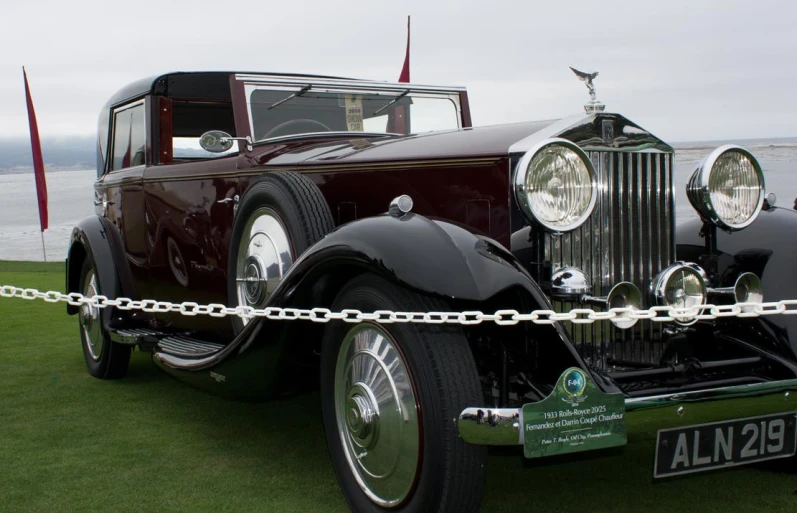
(168, 227)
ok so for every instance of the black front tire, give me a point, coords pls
(105, 358)
(450, 473)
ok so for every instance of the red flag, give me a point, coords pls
(38, 161)
(397, 119)
(405, 71)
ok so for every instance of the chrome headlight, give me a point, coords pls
(681, 285)
(555, 185)
(728, 188)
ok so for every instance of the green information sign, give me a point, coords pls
(576, 417)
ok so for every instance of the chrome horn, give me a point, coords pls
(623, 295)
(569, 284)
(746, 289)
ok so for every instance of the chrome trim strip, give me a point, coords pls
(711, 394)
(344, 83)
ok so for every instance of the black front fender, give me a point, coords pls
(433, 257)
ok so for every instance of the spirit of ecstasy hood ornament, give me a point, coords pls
(594, 105)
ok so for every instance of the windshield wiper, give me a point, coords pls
(394, 100)
(294, 95)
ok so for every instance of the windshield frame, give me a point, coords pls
(245, 85)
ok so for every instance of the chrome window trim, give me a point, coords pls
(344, 84)
(112, 133)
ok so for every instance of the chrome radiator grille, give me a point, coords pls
(628, 237)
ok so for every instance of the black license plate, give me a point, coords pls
(718, 445)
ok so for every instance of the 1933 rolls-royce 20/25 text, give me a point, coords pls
(269, 191)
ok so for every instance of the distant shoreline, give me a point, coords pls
(47, 169)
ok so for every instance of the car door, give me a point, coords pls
(119, 193)
(190, 200)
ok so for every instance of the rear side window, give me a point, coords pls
(129, 137)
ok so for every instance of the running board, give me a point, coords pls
(174, 344)
(186, 347)
(135, 335)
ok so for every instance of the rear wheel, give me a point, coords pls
(105, 358)
(391, 394)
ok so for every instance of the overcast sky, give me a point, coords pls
(685, 70)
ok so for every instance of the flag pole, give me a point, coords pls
(43, 250)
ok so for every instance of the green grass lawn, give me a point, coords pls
(69, 442)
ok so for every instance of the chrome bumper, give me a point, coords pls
(646, 415)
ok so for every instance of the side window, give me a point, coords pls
(129, 137)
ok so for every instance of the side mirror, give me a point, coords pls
(217, 141)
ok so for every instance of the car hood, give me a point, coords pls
(595, 132)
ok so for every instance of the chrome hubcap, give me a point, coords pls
(264, 256)
(377, 414)
(89, 318)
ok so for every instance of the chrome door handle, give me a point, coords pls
(227, 201)
(104, 203)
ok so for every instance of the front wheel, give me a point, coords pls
(391, 394)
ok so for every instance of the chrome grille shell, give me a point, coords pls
(630, 236)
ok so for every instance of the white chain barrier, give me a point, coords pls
(501, 317)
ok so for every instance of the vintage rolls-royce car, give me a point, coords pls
(271, 191)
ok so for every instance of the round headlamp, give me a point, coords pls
(681, 286)
(728, 188)
(555, 185)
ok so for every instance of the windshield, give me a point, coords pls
(276, 112)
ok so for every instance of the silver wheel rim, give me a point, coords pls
(264, 256)
(377, 415)
(89, 318)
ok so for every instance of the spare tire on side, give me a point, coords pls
(281, 214)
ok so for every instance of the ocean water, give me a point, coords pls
(71, 196)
